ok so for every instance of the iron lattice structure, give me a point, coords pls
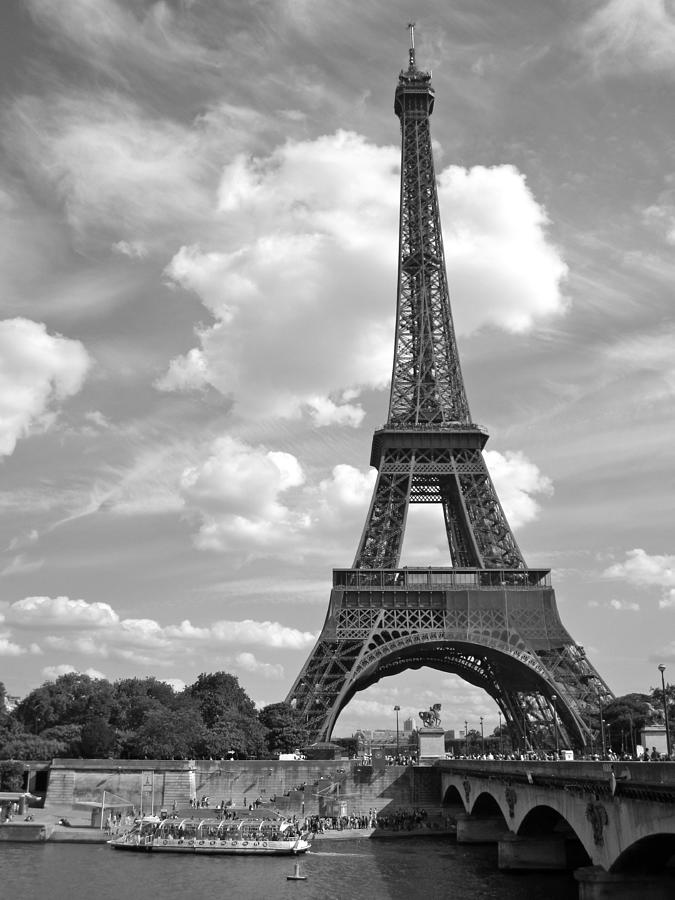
(486, 617)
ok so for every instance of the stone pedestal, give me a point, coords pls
(480, 830)
(431, 744)
(516, 853)
(596, 884)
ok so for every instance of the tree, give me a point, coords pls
(98, 739)
(286, 728)
(135, 698)
(71, 699)
(166, 734)
(625, 716)
(220, 695)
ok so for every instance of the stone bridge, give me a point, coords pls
(613, 823)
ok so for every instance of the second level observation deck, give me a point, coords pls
(416, 579)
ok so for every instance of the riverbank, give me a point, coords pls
(43, 832)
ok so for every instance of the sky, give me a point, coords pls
(199, 223)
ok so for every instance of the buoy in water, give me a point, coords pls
(296, 876)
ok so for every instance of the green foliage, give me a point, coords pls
(140, 718)
(31, 746)
(166, 734)
(97, 739)
(11, 775)
(286, 728)
(71, 699)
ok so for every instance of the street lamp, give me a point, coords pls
(602, 726)
(662, 669)
(501, 748)
(397, 709)
(466, 738)
(482, 738)
(554, 697)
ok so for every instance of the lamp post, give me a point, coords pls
(482, 737)
(662, 669)
(602, 726)
(501, 746)
(466, 738)
(397, 709)
(554, 697)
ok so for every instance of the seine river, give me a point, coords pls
(427, 868)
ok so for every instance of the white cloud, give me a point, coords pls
(38, 372)
(118, 172)
(96, 629)
(628, 605)
(238, 491)
(631, 35)
(517, 481)
(306, 247)
(51, 673)
(617, 605)
(501, 266)
(249, 663)
(643, 570)
(9, 648)
(176, 684)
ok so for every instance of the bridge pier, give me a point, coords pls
(523, 853)
(597, 884)
(480, 829)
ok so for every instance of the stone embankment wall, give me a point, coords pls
(293, 786)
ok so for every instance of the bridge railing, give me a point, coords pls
(416, 578)
(643, 774)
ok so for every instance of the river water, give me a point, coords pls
(427, 868)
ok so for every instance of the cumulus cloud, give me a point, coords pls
(314, 252)
(644, 570)
(625, 36)
(96, 629)
(51, 673)
(617, 605)
(9, 648)
(38, 372)
(239, 491)
(503, 270)
(518, 482)
(249, 663)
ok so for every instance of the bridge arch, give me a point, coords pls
(544, 820)
(651, 854)
(453, 797)
(486, 805)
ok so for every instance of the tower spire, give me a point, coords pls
(411, 51)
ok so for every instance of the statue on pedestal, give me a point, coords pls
(430, 717)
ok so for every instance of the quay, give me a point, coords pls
(613, 824)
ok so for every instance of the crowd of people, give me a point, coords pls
(397, 820)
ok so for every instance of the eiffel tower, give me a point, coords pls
(487, 617)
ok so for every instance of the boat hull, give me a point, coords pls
(217, 848)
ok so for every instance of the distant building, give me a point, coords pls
(408, 726)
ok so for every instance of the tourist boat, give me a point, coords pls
(263, 833)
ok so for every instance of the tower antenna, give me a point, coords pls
(411, 52)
